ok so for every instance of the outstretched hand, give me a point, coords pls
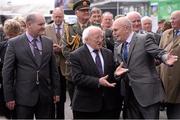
(103, 82)
(120, 70)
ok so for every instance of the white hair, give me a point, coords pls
(146, 18)
(133, 13)
(87, 32)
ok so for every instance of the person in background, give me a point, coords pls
(160, 26)
(55, 31)
(73, 37)
(11, 29)
(170, 41)
(22, 22)
(107, 20)
(96, 16)
(147, 28)
(146, 22)
(135, 19)
(167, 25)
(30, 76)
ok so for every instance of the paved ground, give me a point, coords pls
(68, 112)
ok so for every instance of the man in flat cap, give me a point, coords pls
(73, 36)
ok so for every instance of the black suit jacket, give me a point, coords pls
(22, 86)
(88, 96)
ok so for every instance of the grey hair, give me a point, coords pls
(146, 18)
(87, 31)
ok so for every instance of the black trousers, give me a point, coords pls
(42, 110)
(133, 110)
(59, 107)
(173, 111)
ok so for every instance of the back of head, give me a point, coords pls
(11, 28)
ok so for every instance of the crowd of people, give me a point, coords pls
(107, 64)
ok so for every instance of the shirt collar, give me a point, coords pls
(56, 26)
(90, 48)
(30, 38)
(130, 37)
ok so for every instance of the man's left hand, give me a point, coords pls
(56, 99)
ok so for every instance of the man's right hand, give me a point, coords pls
(56, 48)
(11, 104)
(103, 82)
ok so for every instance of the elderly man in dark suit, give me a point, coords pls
(96, 93)
(30, 77)
(141, 86)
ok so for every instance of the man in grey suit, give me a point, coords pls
(30, 77)
(141, 86)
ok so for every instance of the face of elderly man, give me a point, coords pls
(147, 25)
(175, 19)
(121, 29)
(95, 38)
(58, 16)
(135, 18)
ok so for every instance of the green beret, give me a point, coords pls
(82, 4)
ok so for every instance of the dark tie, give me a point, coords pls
(37, 53)
(125, 51)
(98, 63)
(177, 33)
(58, 33)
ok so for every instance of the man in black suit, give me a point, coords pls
(143, 89)
(96, 93)
(30, 77)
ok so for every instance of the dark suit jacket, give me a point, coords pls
(23, 89)
(88, 96)
(143, 77)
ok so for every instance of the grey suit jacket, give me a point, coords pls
(20, 73)
(142, 75)
(88, 96)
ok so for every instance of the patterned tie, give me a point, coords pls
(98, 63)
(58, 33)
(36, 50)
(125, 51)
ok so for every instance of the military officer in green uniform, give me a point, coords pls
(73, 36)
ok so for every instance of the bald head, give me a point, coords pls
(135, 18)
(58, 15)
(122, 28)
(35, 23)
(175, 19)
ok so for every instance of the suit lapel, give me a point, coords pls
(176, 41)
(105, 58)
(27, 47)
(131, 47)
(169, 41)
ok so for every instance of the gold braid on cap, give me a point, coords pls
(75, 41)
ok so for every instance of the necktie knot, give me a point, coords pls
(96, 51)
